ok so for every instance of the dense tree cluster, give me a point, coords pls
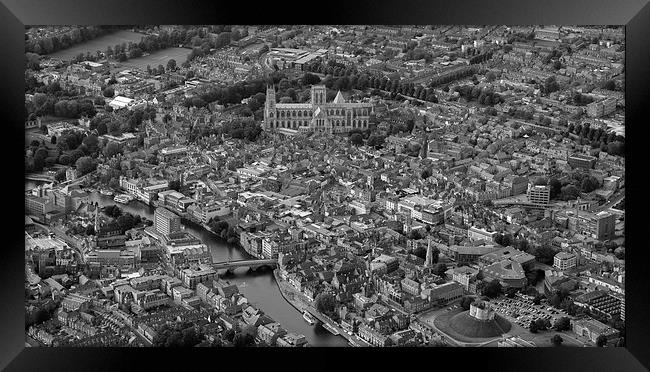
(342, 77)
(177, 335)
(196, 38)
(601, 341)
(480, 58)
(493, 289)
(44, 311)
(580, 99)
(224, 230)
(484, 96)
(53, 100)
(77, 35)
(457, 73)
(228, 95)
(611, 143)
(562, 324)
(123, 221)
(557, 340)
(417, 54)
(544, 254)
(465, 302)
(85, 165)
(325, 303)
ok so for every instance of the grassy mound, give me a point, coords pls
(471, 327)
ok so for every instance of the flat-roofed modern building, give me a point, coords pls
(581, 161)
(474, 233)
(539, 194)
(166, 222)
(564, 260)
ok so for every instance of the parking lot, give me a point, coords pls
(522, 311)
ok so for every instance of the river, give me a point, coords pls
(259, 287)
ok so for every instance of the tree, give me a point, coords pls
(551, 85)
(243, 340)
(60, 175)
(601, 341)
(616, 148)
(466, 301)
(175, 185)
(375, 141)
(310, 79)
(543, 324)
(545, 254)
(440, 269)
(91, 142)
(493, 289)
(589, 184)
(112, 149)
(356, 139)
(108, 92)
(85, 165)
(533, 327)
(325, 303)
(556, 187)
(562, 324)
(125, 222)
(569, 192)
(53, 140)
(102, 129)
(557, 340)
(171, 65)
(65, 159)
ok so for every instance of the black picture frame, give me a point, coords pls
(634, 14)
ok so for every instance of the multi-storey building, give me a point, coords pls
(166, 222)
(581, 161)
(539, 194)
(601, 225)
(600, 301)
(474, 233)
(195, 275)
(564, 260)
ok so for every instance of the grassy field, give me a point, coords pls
(101, 43)
(158, 58)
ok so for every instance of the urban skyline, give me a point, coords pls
(312, 185)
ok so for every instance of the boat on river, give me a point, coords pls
(123, 198)
(308, 317)
(331, 329)
(106, 192)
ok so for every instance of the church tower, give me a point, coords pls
(318, 95)
(269, 107)
(98, 221)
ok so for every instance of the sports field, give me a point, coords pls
(100, 43)
(159, 57)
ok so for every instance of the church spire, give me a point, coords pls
(429, 259)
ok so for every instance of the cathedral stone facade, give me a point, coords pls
(318, 115)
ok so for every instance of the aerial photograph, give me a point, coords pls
(324, 186)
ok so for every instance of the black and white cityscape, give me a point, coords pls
(324, 186)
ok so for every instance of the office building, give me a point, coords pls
(564, 260)
(539, 194)
(166, 222)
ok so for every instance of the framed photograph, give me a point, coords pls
(443, 181)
